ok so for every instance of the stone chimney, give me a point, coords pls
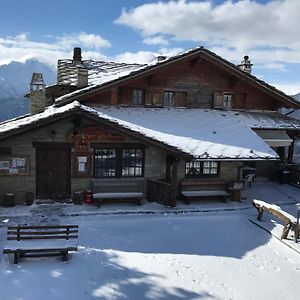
(77, 55)
(37, 95)
(246, 65)
(82, 77)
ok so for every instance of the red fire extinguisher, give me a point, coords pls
(88, 197)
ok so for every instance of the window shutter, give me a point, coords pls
(239, 101)
(180, 99)
(126, 96)
(156, 98)
(218, 100)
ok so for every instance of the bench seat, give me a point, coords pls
(201, 188)
(118, 195)
(204, 193)
(50, 245)
(118, 190)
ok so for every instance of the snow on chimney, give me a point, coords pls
(246, 65)
(37, 95)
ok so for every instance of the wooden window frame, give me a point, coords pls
(76, 169)
(138, 97)
(228, 100)
(199, 165)
(119, 159)
(169, 97)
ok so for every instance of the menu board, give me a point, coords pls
(14, 166)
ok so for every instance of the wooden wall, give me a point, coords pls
(197, 78)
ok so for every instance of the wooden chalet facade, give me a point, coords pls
(194, 116)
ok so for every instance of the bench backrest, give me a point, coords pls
(203, 185)
(120, 186)
(20, 232)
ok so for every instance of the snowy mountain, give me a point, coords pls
(14, 84)
(297, 97)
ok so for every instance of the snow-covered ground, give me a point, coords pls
(201, 251)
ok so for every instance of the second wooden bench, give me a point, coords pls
(197, 188)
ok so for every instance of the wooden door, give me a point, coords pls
(53, 172)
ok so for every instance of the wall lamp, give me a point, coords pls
(53, 134)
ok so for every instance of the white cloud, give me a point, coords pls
(21, 47)
(140, 57)
(288, 88)
(144, 57)
(243, 25)
(84, 40)
(156, 40)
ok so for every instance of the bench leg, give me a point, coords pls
(285, 231)
(260, 213)
(16, 257)
(139, 202)
(65, 256)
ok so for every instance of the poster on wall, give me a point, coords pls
(14, 166)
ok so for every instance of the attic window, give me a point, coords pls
(138, 97)
(227, 100)
(168, 98)
(223, 100)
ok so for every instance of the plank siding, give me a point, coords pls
(198, 78)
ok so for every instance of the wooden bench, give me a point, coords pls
(290, 222)
(197, 188)
(38, 241)
(118, 190)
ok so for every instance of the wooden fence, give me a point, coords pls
(294, 177)
(161, 192)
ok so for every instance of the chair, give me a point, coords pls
(249, 179)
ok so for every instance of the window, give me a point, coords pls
(210, 168)
(81, 164)
(118, 162)
(138, 97)
(197, 168)
(132, 162)
(105, 163)
(168, 98)
(227, 101)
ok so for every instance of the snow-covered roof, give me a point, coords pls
(98, 71)
(26, 120)
(202, 133)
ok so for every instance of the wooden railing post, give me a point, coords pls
(174, 180)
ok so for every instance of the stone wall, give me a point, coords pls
(22, 146)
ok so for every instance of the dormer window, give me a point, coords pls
(230, 100)
(168, 98)
(138, 97)
(227, 100)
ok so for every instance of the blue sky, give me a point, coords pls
(137, 31)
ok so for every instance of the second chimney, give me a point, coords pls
(77, 55)
(37, 95)
(82, 77)
(246, 65)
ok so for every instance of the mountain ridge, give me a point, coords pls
(14, 85)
